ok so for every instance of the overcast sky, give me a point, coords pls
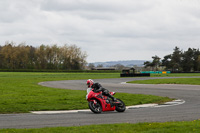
(108, 30)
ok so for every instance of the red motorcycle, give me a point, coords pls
(99, 103)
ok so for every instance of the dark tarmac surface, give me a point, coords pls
(190, 110)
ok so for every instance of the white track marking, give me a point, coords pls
(172, 103)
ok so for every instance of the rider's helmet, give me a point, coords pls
(90, 82)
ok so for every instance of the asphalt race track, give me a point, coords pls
(190, 110)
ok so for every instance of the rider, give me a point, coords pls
(97, 87)
(90, 82)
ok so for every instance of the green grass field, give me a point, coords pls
(167, 127)
(191, 81)
(20, 92)
(175, 75)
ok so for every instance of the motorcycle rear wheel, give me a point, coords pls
(96, 108)
(121, 106)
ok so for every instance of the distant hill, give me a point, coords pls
(127, 63)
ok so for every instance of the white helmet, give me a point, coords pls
(90, 82)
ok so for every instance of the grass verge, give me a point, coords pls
(167, 127)
(20, 93)
(175, 75)
(191, 81)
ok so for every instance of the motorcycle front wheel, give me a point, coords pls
(120, 107)
(96, 108)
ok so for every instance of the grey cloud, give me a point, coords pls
(120, 29)
(11, 11)
(102, 6)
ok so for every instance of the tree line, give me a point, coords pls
(22, 56)
(183, 61)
